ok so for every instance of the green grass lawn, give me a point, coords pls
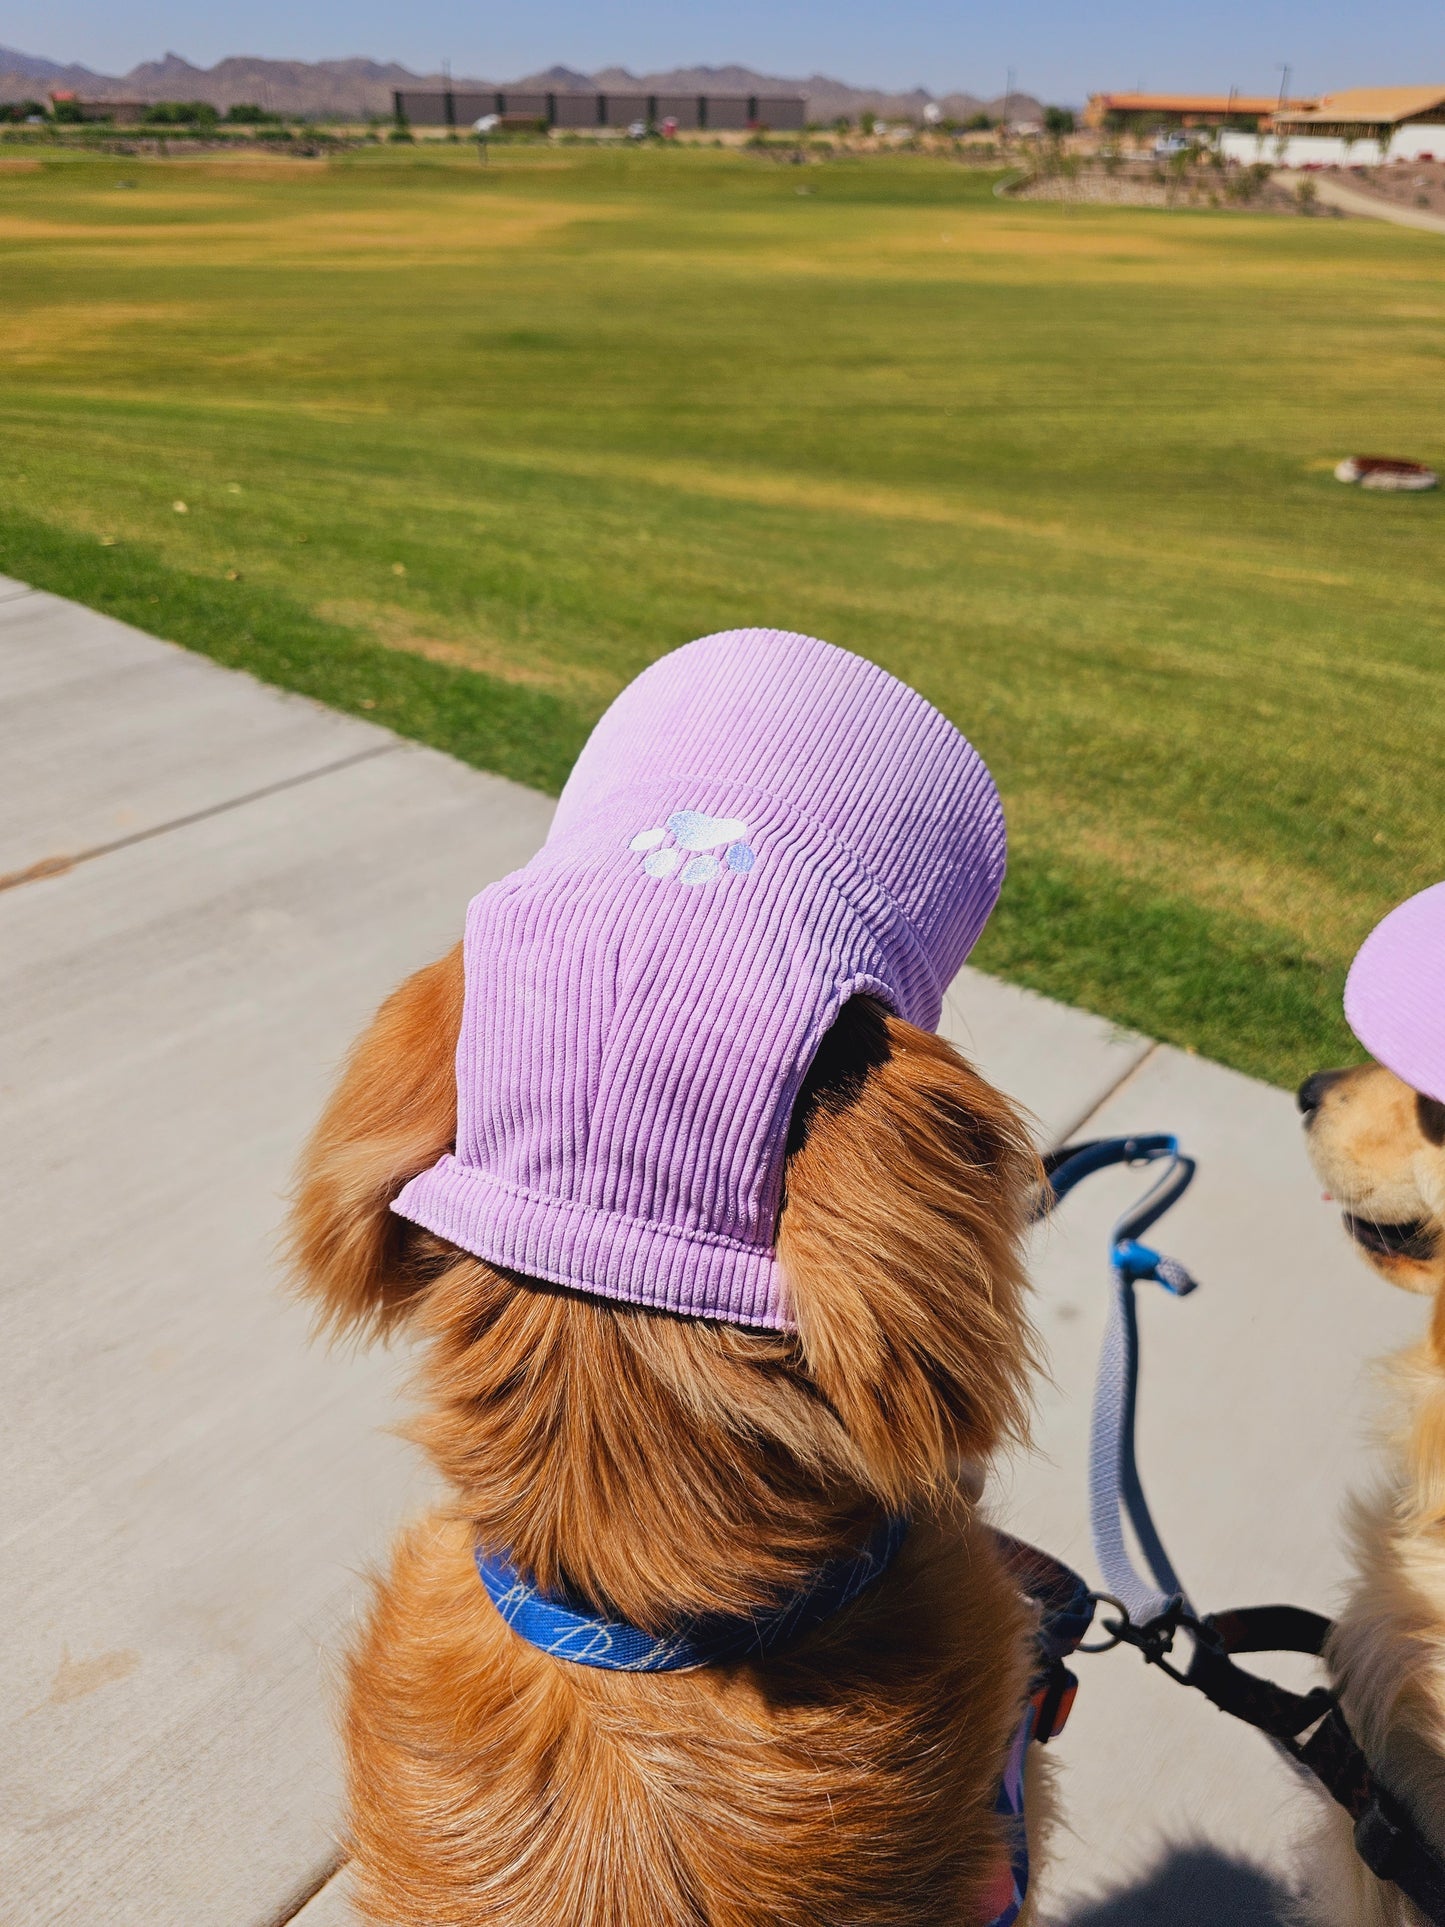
(465, 448)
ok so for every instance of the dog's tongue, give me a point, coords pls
(1327, 1197)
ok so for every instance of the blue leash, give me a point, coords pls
(1115, 1489)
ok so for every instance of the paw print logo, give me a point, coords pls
(691, 831)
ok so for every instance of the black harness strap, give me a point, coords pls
(1261, 1703)
(1387, 1838)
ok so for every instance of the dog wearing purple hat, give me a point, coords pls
(712, 1248)
(1376, 1137)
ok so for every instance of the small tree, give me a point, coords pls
(1246, 183)
(1058, 121)
(181, 113)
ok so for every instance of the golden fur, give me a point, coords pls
(1381, 1150)
(650, 1463)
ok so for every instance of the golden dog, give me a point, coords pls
(1379, 1147)
(649, 1464)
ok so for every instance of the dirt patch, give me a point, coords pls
(35, 336)
(1201, 185)
(397, 629)
(1412, 184)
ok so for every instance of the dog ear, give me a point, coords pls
(393, 1113)
(908, 1185)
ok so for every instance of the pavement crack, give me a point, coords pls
(51, 866)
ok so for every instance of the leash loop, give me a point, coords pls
(1117, 1630)
(1116, 1492)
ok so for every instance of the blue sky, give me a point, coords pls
(1058, 50)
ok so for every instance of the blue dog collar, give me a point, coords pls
(559, 1626)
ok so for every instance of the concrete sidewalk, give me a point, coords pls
(211, 885)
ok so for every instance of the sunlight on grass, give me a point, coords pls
(466, 447)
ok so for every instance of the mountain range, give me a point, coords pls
(355, 89)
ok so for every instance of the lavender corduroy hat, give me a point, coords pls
(1395, 992)
(761, 827)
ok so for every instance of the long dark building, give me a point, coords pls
(718, 113)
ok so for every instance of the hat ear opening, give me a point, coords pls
(900, 1239)
(392, 1115)
(854, 1046)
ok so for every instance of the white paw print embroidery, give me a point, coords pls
(690, 830)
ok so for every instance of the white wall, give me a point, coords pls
(1408, 143)
(1416, 139)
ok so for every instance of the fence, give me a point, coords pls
(711, 113)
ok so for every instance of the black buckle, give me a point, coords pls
(1153, 1639)
(1378, 1839)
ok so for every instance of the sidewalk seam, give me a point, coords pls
(1107, 1097)
(51, 866)
(301, 1900)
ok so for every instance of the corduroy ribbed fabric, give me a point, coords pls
(1395, 992)
(761, 827)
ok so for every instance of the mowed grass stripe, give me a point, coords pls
(478, 444)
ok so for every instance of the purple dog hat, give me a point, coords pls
(1395, 993)
(760, 828)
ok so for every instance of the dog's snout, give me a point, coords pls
(1311, 1094)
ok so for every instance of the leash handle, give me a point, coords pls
(1116, 1491)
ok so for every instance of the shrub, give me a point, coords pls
(1058, 121)
(245, 113)
(181, 113)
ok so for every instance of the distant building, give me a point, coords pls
(1151, 113)
(713, 113)
(122, 112)
(1361, 126)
